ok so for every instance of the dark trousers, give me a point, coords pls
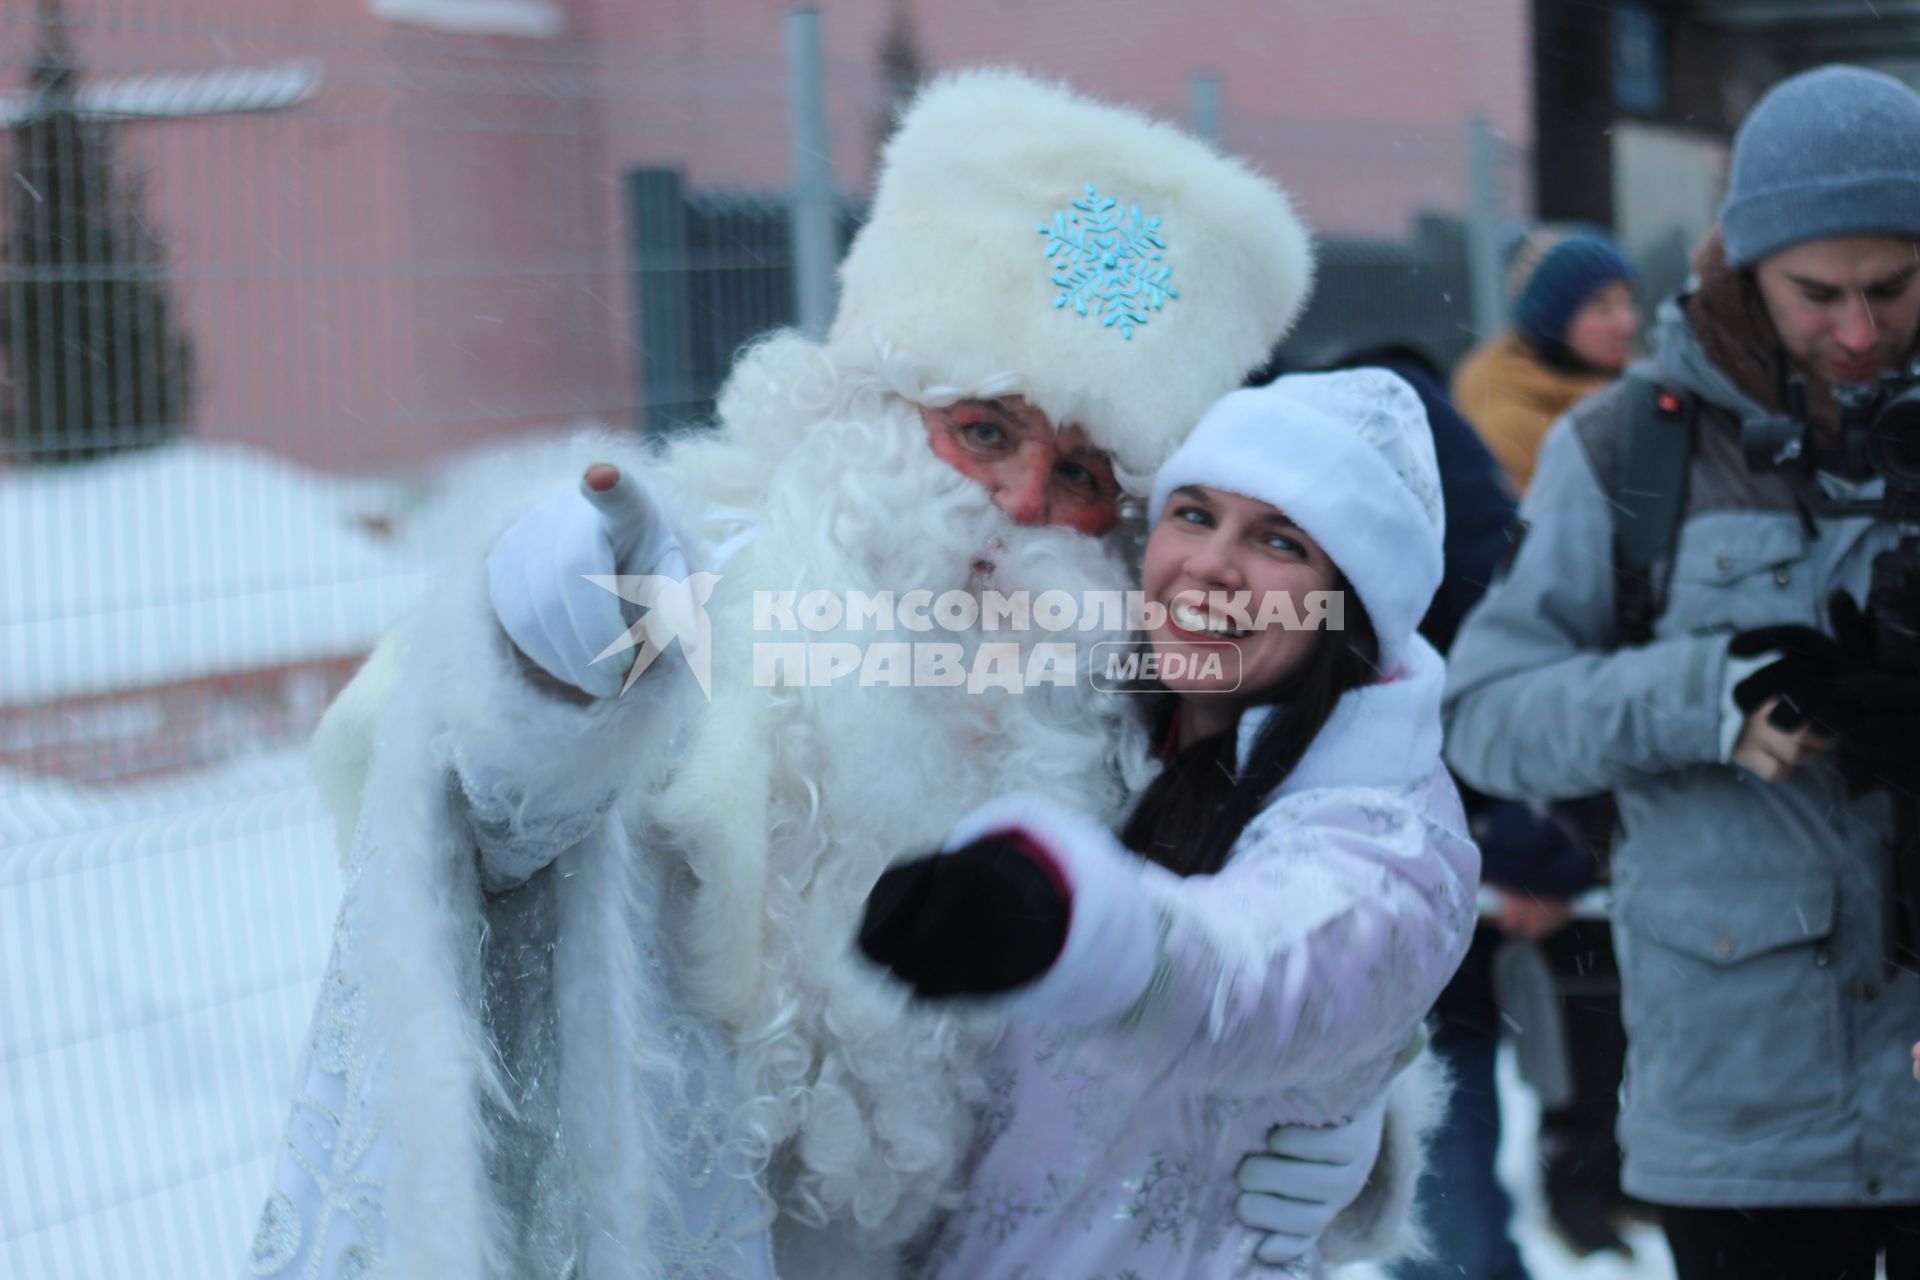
(1577, 1143)
(1462, 1203)
(1793, 1244)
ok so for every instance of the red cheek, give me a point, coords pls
(949, 452)
(1091, 520)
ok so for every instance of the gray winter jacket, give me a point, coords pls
(1768, 1046)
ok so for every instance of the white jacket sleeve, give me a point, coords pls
(1321, 944)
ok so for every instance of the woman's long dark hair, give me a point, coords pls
(1190, 817)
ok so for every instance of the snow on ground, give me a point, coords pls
(187, 560)
(159, 950)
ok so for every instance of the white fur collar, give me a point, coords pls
(1384, 734)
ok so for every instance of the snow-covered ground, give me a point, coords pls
(159, 950)
(184, 561)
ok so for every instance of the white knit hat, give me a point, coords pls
(1124, 273)
(1348, 457)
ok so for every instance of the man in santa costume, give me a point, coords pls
(592, 1008)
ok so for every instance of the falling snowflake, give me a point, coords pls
(1108, 266)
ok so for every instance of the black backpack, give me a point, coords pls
(1649, 495)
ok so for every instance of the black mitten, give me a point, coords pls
(984, 919)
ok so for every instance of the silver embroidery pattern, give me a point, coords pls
(324, 1219)
(327, 1191)
(354, 1264)
(277, 1240)
(529, 1158)
(719, 1210)
(996, 1113)
(1162, 1199)
(1387, 405)
(695, 1127)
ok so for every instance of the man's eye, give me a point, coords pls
(1820, 297)
(983, 434)
(1078, 477)
(1889, 292)
(1193, 515)
(1281, 542)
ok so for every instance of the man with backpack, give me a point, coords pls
(1696, 623)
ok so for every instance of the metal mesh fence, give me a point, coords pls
(341, 248)
(274, 274)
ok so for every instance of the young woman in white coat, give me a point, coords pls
(1283, 905)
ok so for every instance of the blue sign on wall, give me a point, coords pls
(1639, 60)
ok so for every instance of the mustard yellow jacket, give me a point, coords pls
(1511, 396)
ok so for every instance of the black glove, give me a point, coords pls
(1802, 677)
(1832, 682)
(986, 918)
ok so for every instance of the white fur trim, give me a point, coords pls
(442, 688)
(718, 807)
(1379, 735)
(951, 268)
(1113, 931)
(1380, 1225)
(1312, 446)
(342, 745)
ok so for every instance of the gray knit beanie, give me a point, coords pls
(1830, 152)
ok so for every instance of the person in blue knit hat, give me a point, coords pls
(1757, 748)
(1572, 331)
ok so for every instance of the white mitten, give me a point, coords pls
(539, 577)
(1297, 1186)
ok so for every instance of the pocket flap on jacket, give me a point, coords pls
(1723, 548)
(1725, 924)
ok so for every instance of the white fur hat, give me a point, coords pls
(1124, 274)
(1349, 458)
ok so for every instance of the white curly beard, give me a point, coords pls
(859, 1101)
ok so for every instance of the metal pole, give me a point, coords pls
(1483, 227)
(813, 200)
(1203, 106)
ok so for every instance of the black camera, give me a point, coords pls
(1884, 417)
(1878, 435)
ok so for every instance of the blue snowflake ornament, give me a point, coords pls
(1108, 266)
